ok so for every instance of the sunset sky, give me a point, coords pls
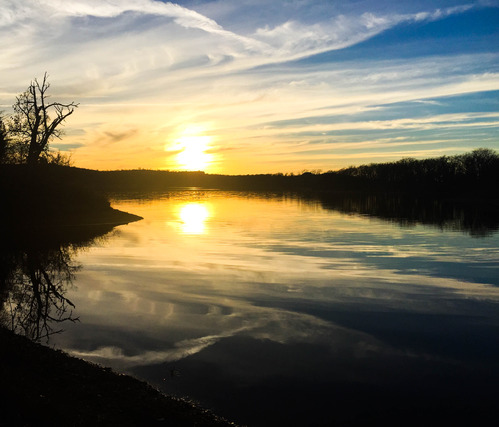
(253, 86)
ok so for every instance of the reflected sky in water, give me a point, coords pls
(250, 296)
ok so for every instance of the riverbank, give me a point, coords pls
(42, 387)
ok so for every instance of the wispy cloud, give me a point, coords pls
(153, 66)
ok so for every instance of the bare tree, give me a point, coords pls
(36, 121)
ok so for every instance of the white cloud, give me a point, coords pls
(287, 40)
(151, 65)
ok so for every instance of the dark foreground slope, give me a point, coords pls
(44, 387)
(48, 196)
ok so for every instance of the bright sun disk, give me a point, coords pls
(193, 156)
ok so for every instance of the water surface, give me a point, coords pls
(275, 310)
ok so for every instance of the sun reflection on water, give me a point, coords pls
(193, 218)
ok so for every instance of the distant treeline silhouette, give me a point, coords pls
(472, 173)
(475, 173)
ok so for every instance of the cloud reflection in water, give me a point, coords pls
(280, 275)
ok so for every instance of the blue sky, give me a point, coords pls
(255, 86)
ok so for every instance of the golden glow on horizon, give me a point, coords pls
(193, 217)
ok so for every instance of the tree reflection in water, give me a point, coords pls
(36, 272)
(35, 301)
(478, 218)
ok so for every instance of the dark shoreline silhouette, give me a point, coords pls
(45, 387)
(47, 196)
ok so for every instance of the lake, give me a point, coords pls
(285, 310)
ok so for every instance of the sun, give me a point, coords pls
(192, 148)
(193, 155)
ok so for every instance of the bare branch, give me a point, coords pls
(36, 120)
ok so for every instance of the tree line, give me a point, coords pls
(477, 170)
(472, 173)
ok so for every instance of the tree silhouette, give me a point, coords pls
(4, 142)
(35, 122)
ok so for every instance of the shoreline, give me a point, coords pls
(42, 386)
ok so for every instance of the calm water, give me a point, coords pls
(280, 311)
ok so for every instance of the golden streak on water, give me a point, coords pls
(193, 217)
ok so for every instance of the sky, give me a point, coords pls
(252, 86)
